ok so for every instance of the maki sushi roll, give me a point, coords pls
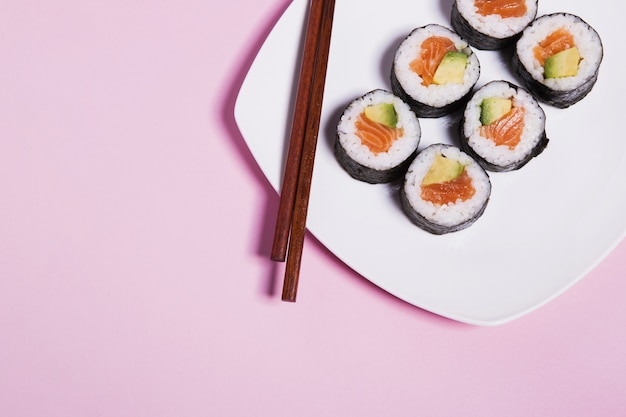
(377, 137)
(558, 58)
(492, 24)
(434, 71)
(444, 190)
(503, 127)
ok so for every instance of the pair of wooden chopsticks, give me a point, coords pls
(294, 198)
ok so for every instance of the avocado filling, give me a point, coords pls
(442, 170)
(494, 108)
(451, 69)
(562, 64)
(383, 113)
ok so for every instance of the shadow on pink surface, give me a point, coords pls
(267, 216)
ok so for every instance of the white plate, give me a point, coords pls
(546, 225)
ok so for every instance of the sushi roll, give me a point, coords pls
(444, 190)
(503, 127)
(558, 58)
(377, 137)
(434, 71)
(492, 24)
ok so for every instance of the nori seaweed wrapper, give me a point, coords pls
(557, 98)
(367, 174)
(431, 227)
(422, 109)
(464, 221)
(476, 38)
(537, 149)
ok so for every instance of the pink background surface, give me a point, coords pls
(135, 229)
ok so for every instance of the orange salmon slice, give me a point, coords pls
(507, 130)
(504, 8)
(559, 40)
(376, 136)
(450, 191)
(431, 53)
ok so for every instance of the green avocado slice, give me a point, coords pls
(443, 170)
(383, 113)
(493, 108)
(562, 64)
(451, 68)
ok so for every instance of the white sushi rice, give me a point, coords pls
(447, 215)
(401, 148)
(433, 95)
(586, 40)
(534, 124)
(495, 25)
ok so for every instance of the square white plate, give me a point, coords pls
(546, 226)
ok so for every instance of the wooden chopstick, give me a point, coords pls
(298, 228)
(298, 126)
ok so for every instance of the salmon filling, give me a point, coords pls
(449, 191)
(376, 136)
(432, 52)
(507, 130)
(557, 41)
(504, 8)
